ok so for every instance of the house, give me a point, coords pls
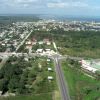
(34, 41)
(28, 42)
(46, 41)
(28, 46)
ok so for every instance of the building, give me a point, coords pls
(39, 51)
(28, 42)
(49, 69)
(34, 41)
(90, 65)
(50, 78)
(40, 42)
(46, 41)
(48, 60)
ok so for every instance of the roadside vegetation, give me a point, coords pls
(81, 87)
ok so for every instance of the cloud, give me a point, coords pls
(24, 1)
(57, 5)
(66, 4)
(17, 3)
(52, 6)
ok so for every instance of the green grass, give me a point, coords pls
(31, 97)
(81, 87)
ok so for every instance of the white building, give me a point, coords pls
(39, 51)
(48, 60)
(49, 69)
(50, 78)
(90, 66)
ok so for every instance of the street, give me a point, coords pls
(61, 81)
(23, 41)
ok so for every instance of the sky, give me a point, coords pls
(58, 7)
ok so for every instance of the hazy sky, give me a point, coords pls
(64, 7)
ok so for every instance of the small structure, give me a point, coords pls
(39, 51)
(48, 50)
(49, 69)
(34, 41)
(29, 46)
(46, 41)
(48, 60)
(50, 78)
(40, 42)
(28, 42)
(7, 94)
(26, 59)
(3, 44)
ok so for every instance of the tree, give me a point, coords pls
(13, 84)
(97, 75)
(3, 85)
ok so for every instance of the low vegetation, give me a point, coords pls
(29, 77)
(81, 87)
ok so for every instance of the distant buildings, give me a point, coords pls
(19, 30)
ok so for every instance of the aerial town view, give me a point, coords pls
(49, 50)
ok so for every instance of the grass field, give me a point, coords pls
(81, 87)
(30, 97)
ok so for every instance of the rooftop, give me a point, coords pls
(94, 64)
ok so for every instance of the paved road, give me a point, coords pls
(23, 41)
(61, 80)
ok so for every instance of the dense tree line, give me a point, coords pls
(20, 76)
(10, 75)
